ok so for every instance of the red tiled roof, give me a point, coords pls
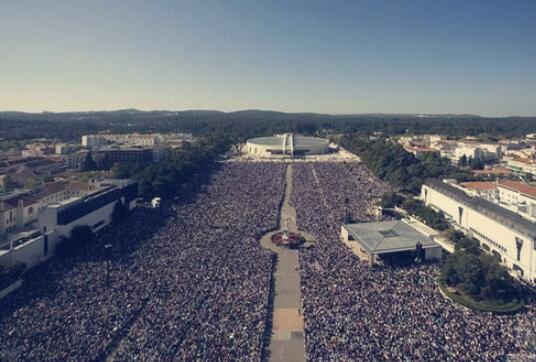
(520, 187)
(493, 171)
(480, 185)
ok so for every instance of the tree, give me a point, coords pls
(467, 270)
(499, 284)
(48, 177)
(89, 163)
(64, 247)
(165, 178)
(81, 235)
(462, 162)
(393, 164)
(119, 212)
(105, 163)
(475, 163)
(391, 199)
(468, 244)
(454, 235)
(121, 170)
(9, 184)
(478, 274)
(145, 189)
(10, 274)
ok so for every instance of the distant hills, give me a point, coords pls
(253, 113)
(252, 122)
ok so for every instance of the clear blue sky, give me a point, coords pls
(355, 56)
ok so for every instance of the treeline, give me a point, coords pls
(80, 236)
(10, 273)
(430, 217)
(180, 167)
(401, 169)
(476, 273)
(245, 124)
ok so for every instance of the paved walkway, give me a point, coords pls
(287, 339)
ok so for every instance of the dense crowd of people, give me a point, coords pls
(191, 282)
(188, 282)
(356, 312)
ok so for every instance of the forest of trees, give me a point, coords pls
(16, 127)
(180, 167)
(401, 169)
(476, 273)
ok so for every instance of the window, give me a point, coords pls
(97, 225)
(519, 245)
(518, 269)
(31, 210)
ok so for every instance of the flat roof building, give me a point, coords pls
(372, 239)
(502, 232)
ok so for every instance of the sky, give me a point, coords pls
(396, 56)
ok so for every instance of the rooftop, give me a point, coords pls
(480, 185)
(521, 187)
(388, 236)
(420, 149)
(299, 141)
(493, 171)
(493, 211)
(34, 196)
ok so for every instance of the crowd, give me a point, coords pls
(188, 282)
(355, 312)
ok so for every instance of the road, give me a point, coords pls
(287, 339)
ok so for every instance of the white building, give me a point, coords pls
(286, 145)
(505, 234)
(22, 208)
(65, 149)
(523, 165)
(93, 141)
(454, 150)
(59, 218)
(371, 240)
(519, 196)
(477, 150)
(135, 139)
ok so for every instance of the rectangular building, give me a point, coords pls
(505, 234)
(371, 240)
(18, 209)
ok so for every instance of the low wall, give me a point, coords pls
(10, 289)
(30, 253)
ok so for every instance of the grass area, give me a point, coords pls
(493, 306)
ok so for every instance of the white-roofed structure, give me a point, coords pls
(371, 239)
(286, 144)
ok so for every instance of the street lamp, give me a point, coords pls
(347, 211)
(107, 248)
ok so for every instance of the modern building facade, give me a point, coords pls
(58, 219)
(93, 141)
(373, 239)
(19, 209)
(505, 234)
(286, 144)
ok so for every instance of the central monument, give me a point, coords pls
(288, 239)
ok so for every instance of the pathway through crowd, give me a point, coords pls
(287, 338)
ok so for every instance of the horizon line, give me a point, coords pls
(141, 110)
